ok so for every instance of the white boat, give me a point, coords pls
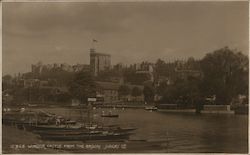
(151, 108)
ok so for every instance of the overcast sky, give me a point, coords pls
(130, 32)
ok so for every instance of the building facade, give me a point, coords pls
(109, 91)
(99, 62)
(145, 69)
(39, 68)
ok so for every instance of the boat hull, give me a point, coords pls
(87, 137)
(109, 115)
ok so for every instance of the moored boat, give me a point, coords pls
(88, 136)
(151, 108)
(53, 127)
(109, 115)
(79, 129)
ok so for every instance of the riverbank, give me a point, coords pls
(171, 108)
(178, 110)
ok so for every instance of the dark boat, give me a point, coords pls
(53, 128)
(115, 128)
(66, 132)
(81, 130)
(31, 118)
(109, 115)
(40, 129)
(124, 129)
(22, 122)
(87, 136)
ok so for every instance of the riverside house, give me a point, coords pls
(109, 92)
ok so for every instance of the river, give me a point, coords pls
(185, 132)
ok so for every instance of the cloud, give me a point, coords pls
(130, 32)
(41, 18)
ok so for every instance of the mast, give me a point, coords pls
(90, 109)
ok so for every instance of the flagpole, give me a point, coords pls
(93, 43)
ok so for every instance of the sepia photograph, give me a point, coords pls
(125, 77)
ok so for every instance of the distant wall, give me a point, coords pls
(217, 107)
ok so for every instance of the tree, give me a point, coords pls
(6, 83)
(160, 67)
(164, 69)
(225, 74)
(169, 95)
(61, 76)
(7, 77)
(123, 90)
(185, 93)
(148, 92)
(136, 92)
(83, 86)
(161, 88)
(130, 76)
(108, 74)
(192, 64)
(63, 97)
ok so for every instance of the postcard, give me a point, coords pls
(125, 77)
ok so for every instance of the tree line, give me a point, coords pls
(224, 76)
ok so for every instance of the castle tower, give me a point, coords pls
(99, 62)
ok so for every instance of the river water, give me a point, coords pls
(186, 133)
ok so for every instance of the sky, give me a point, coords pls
(60, 32)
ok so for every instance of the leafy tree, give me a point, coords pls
(131, 76)
(123, 90)
(61, 76)
(107, 75)
(184, 93)
(160, 67)
(170, 95)
(64, 97)
(164, 69)
(29, 75)
(7, 82)
(136, 92)
(193, 64)
(225, 74)
(83, 86)
(161, 88)
(7, 77)
(148, 92)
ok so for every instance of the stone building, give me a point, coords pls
(145, 69)
(109, 91)
(37, 68)
(99, 62)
